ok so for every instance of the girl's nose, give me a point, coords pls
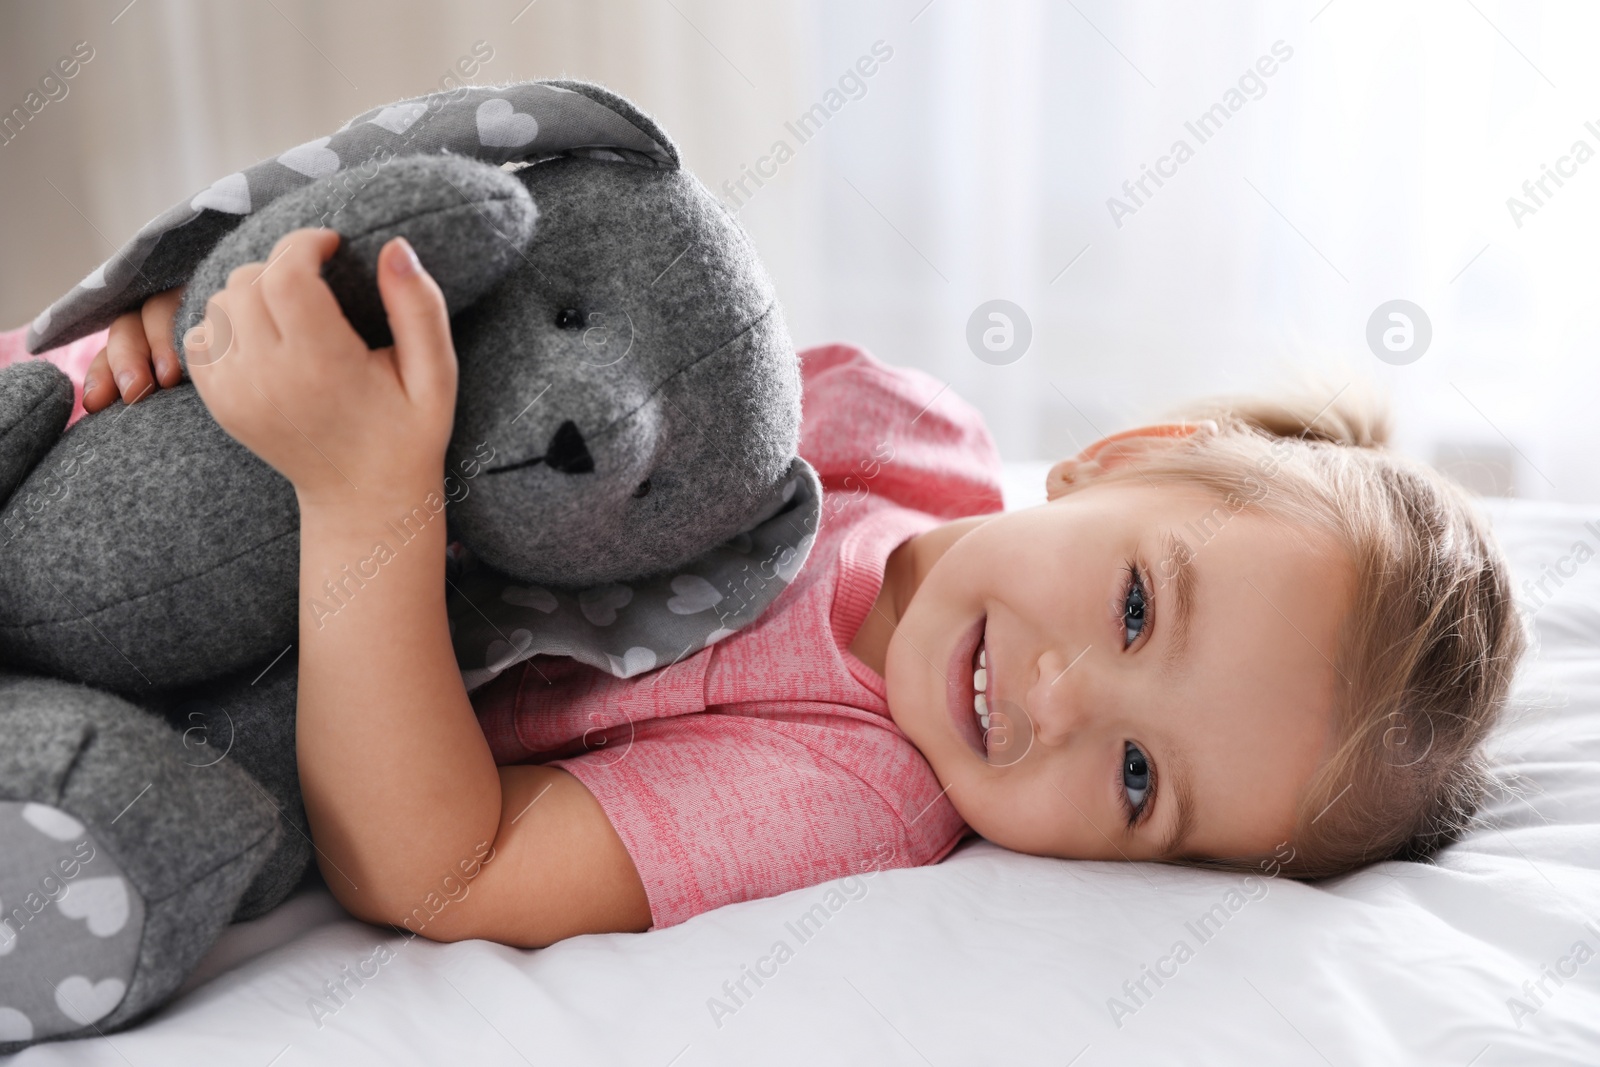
(1055, 702)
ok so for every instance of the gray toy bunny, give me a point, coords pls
(624, 449)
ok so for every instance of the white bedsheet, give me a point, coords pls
(997, 958)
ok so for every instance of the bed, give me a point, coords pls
(1490, 957)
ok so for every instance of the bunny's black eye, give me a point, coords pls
(644, 487)
(569, 318)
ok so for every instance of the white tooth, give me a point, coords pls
(980, 680)
(984, 718)
(983, 657)
(980, 704)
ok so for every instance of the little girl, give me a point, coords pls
(1254, 641)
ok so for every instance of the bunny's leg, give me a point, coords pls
(122, 857)
(247, 719)
(35, 403)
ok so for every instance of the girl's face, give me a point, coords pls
(1155, 666)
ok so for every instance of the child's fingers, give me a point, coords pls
(299, 300)
(211, 341)
(158, 313)
(420, 322)
(128, 355)
(98, 389)
(245, 305)
(221, 380)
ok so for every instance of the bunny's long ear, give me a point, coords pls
(519, 122)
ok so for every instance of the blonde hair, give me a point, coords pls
(1427, 654)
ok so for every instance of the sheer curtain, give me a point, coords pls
(983, 157)
(1374, 163)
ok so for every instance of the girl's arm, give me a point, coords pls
(413, 822)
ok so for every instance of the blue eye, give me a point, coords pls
(1135, 781)
(1135, 606)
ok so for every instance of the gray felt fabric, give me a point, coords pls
(188, 838)
(629, 397)
(248, 719)
(630, 628)
(33, 411)
(468, 223)
(521, 121)
(69, 925)
(163, 554)
(614, 316)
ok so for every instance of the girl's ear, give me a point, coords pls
(1110, 453)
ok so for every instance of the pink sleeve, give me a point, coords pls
(871, 427)
(73, 358)
(716, 808)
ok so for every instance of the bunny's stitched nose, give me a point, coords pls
(566, 453)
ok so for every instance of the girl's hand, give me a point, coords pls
(139, 342)
(282, 371)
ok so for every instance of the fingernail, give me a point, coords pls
(406, 263)
(124, 381)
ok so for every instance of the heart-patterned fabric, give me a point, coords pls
(521, 122)
(629, 628)
(70, 924)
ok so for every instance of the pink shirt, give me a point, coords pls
(769, 762)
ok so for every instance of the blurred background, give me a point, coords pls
(1174, 201)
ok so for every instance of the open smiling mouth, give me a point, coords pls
(998, 730)
(969, 690)
(980, 684)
